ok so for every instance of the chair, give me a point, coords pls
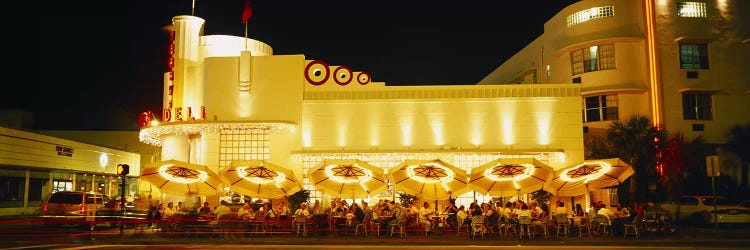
(365, 222)
(633, 226)
(398, 228)
(477, 226)
(601, 224)
(300, 223)
(224, 224)
(524, 224)
(464, 224)
(563, 224)
(584, 226)
(510, 225)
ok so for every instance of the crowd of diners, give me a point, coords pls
(340, 214)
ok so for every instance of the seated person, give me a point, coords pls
(246, 211)
(205, 210)
(302, 211)
(223, 212)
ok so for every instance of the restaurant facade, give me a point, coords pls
(229, 100)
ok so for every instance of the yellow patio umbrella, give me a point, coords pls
(181, 178)
(260, 179)
(349, 179)
(510, 176)
(429, 179)
(592, 174)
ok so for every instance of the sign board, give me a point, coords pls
(90, 212)
(712, 165)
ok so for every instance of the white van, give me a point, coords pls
(70, 207)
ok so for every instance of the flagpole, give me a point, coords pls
(245, 41)
(192, 10)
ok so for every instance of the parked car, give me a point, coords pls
(71, 207)
(698, 209)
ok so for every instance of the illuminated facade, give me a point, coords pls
(684, 64)
(230, 99)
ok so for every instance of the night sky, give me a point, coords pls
(95, 65)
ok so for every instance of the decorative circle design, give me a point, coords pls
(430, 173)
(588, 171)
(182, 174)
(348, 173)
(510, 172)
(317, 72)
(260, 174)
(363, 78)
(342, 75)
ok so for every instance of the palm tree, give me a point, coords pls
(637, 142)
(738, 142)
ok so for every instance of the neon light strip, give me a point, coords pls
(653, 76)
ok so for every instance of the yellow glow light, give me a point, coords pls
(163, 171)
(341, 135)
(154, 123)
(654, 81)
(406, 133)
(543, 127)
(361, 179)
(605, 167)
(437, 132)
(507, 127)
(306, 140)
(529, 171)
(242, 172)
(103, 159)
(445, 179)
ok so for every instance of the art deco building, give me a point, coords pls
(683, 64)
(230, 100)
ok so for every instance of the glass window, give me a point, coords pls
(600, 108)
(590, 14)
(696, 106)
(691, 9)
(693, 56)
(594, 58)
(548, 73)
(242, 145)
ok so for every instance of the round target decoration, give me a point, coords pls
(342, 75)
(317, 72)
(363, 78)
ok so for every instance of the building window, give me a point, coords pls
(600, 108)
(548, 72)
(693, 56)
(697, 106)
(590, 14)
(242, 145)
(691, 9)
(593, 58)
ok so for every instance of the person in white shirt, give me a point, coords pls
(223, 210)
(561, 208)
(246, 211)
(302, 211)
(606, 212)
(425, 214)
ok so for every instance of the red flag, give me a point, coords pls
(246, 12)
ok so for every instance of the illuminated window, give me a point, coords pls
(697, 106)
(548, 72)
(242, 145)
(691, 9)
(600, 108)
(693, 56)
(593, 58)
(590, 14)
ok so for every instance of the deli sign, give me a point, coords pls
(64, 151)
